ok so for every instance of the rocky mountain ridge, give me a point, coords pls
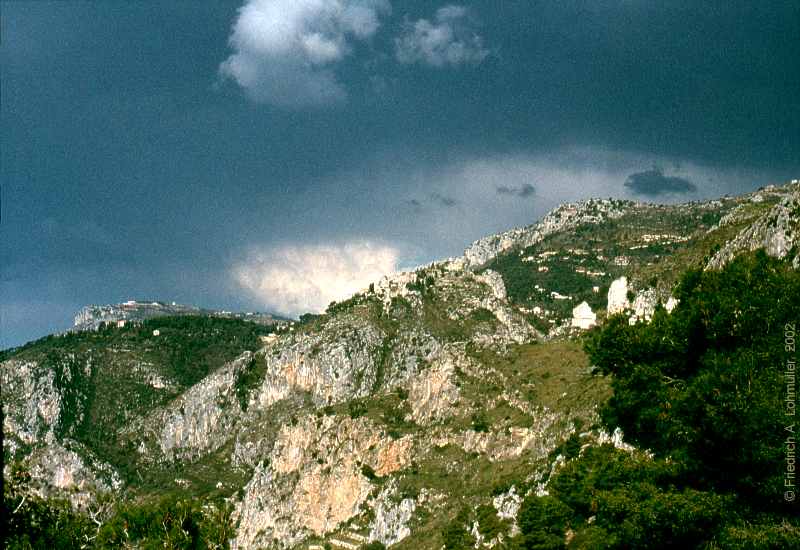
(443, 385)
(91, 317)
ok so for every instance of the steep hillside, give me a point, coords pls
(548, 272)
(454, 387)
(67, 397)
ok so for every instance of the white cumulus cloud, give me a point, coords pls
(447, 40)
(285, 50)
(296, 279)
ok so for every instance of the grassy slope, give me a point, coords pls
(593, 248)
(543, 373)
(552, 377)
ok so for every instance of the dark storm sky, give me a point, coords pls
(268, 154)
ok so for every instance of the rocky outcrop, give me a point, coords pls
(32, 403)
(331, 365)
(671, 304)
(396, 286)
(507, 505)
(38, 410)
(392, 516)
(201, 419)
(617, 439)
(509, 443)
(777, 232)
(513, 326)
(316, 478)
(644, 305)
(618, 296)
(566, 216)
(93, 316)
(494, 281)
(433, 393)
(63, 471)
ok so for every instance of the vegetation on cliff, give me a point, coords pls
(703, 390)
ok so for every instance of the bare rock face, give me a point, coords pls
(433, 393)
(513, 327)
(507, 504)
(315, 479)
(332, 365)
(32, 402)
(644, 305)
(537, 440)
(618, 296)
(777, 231)
(495, 282)
(411, 349)
(36, 410)
(64, 471)
(392, 516)
(671, 304)
(395, 286)
(200, 420)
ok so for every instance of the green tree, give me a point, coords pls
(704, 384)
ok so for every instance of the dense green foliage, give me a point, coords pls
(188, 347)
(455, 535)
(521, 278)
(703, 389)
(195, 346)
(169, 523)
(705, 385)
(34, 522)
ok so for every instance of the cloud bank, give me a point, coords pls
(447, 40)
(292, 280)
(285, 50)
(653, 182)
(523, 191)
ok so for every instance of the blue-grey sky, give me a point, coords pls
(273, 154)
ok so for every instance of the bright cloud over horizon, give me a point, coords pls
(296, 279)
(247, 153)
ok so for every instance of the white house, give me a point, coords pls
(583, 317)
